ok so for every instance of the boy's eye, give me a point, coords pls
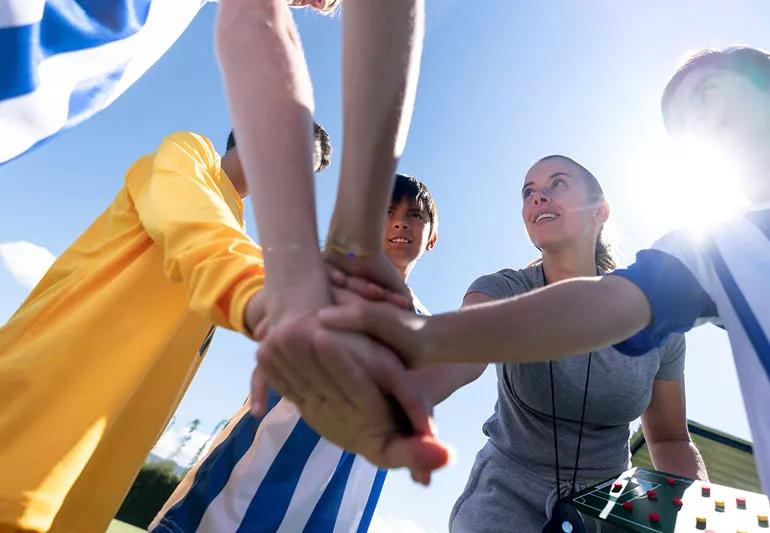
(526, 192)
(417, 216)
(557, 183)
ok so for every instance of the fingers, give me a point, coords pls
(421, 455)
(291, 356)
(258, 393)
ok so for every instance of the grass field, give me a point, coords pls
(121, 527)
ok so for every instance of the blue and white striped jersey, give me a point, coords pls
(721, 276)
(274, 474)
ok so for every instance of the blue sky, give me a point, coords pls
(499, 89)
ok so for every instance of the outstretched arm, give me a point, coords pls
(382, 48)
(569, 317)
(271, 103)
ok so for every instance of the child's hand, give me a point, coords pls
(367, 289)
(402, 331)
(255, 315)
(374, 268)
(341, 389)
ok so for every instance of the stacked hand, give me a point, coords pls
(349, 388)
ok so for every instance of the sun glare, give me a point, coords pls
(684, 184)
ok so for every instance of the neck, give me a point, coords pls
(568, 263)
(231, 164)
(404, 270)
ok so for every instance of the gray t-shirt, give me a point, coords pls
(619, 391)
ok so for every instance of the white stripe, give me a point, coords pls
(20, 12)
(746, 252)
(226, 511)
(26, 119)
(315, 478)
(357, 492)
(187, 482)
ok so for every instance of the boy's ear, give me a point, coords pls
(431, 242)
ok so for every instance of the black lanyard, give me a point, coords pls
(553, 417)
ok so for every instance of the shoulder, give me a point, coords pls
(189, 144)
(507, 282)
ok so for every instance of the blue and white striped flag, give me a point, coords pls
(61, 61)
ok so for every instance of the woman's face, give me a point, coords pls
(558, 208)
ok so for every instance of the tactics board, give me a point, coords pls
(644, 500)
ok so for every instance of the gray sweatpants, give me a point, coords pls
(502, 496)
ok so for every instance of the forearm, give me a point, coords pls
(678, 457)
(382, 48)
(271, 103)
(438, 382)
(564, 319)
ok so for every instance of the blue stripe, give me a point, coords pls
(269, 505)
(374, 496)
(66, 26)
(214, 472)
(743, 310)
(328, 507)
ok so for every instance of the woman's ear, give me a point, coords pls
(602, 211)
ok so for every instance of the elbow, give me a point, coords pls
(246, 25)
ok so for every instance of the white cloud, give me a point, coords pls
(26, 262)
(169, 442)
(389, 524)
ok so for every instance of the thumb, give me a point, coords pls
(421, 455)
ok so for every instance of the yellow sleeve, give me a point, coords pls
(182, 206)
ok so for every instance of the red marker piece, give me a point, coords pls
(628, 506)
(654, 517)
(671, 481)
(705, 491)
(616, 487)
(651, 494)
(677, 502)
(740, 502)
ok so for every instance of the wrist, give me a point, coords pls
(424, 342)
(290, 263)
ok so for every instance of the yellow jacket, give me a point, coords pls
(95, 361)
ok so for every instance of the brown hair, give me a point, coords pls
(603, 251)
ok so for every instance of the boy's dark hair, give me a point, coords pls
(322, 139)
(751, 63)
(413, 190)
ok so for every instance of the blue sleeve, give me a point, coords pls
(676, 299)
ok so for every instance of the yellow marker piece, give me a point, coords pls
(700, 520)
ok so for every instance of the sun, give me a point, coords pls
(685, 183)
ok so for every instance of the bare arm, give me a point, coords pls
(563, 319)
(271, 102)
(439, 382)
(665, 429)
(382, 48)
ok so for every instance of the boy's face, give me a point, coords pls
(407, 234)
(724, 108)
